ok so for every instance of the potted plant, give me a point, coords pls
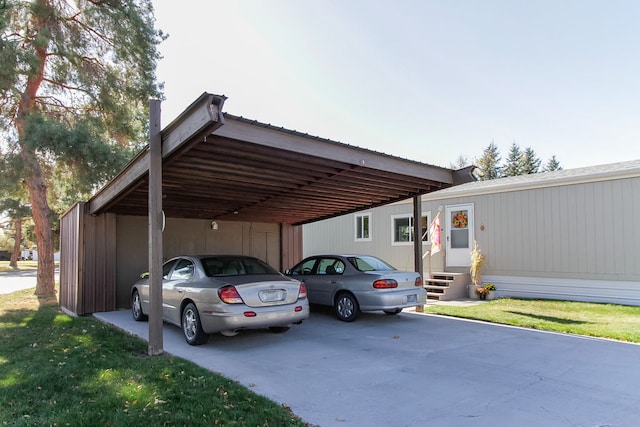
(477, 262)
(486, 291)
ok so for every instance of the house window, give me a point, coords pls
(402, 229)
(363, 226)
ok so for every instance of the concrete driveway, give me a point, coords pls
(414, 369)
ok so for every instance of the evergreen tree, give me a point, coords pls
(75, 81)
(17, 212)
(489, 163)
(461, 162)
(552, 165)
(530, 163)
(513, 164)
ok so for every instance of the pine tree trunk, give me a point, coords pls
(35, 178)
(42, 221)
(16, 246)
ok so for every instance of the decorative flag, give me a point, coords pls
(434, 234)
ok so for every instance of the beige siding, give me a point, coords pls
(577, 231)
(583, 238)
(337, 235)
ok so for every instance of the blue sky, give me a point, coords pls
(425, 80)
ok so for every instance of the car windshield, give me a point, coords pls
(369, 263)
(235, 266)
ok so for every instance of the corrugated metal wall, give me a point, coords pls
(70, 236)
(87, 261)
(291, 246)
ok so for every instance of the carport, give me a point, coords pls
(228, 185)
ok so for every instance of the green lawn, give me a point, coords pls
(62, 370)
(22, 265)
(596, 320)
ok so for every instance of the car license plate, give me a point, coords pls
(273, 295)
(412, 298)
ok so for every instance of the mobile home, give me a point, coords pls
(571, 234)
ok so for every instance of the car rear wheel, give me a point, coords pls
(191, 326)
(136, 307)
(394, 311)
(346, 307)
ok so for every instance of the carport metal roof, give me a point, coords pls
(218, 166)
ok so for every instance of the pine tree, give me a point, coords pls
(513, 164)
(461, 162)
(552, 165)
(75, 79)
(489, 163)
(530, 163)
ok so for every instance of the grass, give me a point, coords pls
(610, 321)
(61, 370)
(22, 265)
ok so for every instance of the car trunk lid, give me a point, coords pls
(267, 293)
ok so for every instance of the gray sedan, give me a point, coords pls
(354, 283)
(223, 293)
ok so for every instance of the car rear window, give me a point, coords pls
(229, 266)
(369, 263)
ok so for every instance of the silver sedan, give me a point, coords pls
(355, 283)
(223, 293)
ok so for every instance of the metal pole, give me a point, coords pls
(155, 229)
(417, 241)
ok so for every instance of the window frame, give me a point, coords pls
(425, 241)
(357, 228)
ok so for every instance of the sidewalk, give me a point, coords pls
(12, 281)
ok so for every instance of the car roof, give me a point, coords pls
(202, 256)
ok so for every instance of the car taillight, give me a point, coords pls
(302, 293)
(230, 295)
(418, 281)
(385, 284)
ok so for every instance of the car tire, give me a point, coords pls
(346, 307)
(392, 312)
(279, 329)
(192, 327)
(136, 307)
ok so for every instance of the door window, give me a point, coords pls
(304, 267)
(166, 268)
(330, 266)
(459, 229)
(460, 235)
(183, 271)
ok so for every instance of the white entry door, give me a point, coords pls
(459, 232)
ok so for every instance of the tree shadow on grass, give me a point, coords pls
(553, 319)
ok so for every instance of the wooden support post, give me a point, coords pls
(155, 230)
(417, 241)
